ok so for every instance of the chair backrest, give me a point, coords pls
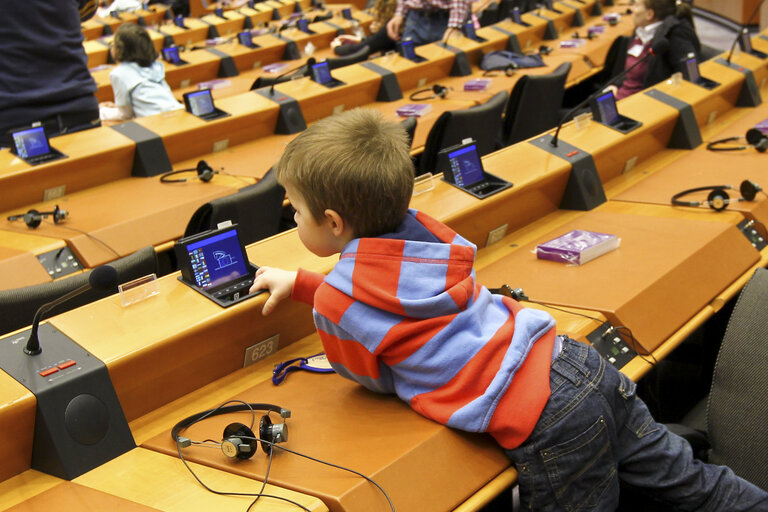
(18, 306)
(256, 209)
(534, 105)
(737, 411)
(481, 122)
(347, 60)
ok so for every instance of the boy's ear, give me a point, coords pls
(335, 221)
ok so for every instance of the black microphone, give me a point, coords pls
(742, 29)
(102, 278)
(658, 48)
(310, 62)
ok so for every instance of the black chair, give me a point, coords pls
(534, 105)
(615, 61)
(347, 60)
(489, 15)
(481, 123)
(256, 209)
(18, 306)
(728, 427)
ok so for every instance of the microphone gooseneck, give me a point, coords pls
(311, 61)
(102, 278)
(741, 30)
(658, 48)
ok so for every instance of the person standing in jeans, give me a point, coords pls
(427, 21)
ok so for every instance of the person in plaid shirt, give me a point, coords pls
(427, 21)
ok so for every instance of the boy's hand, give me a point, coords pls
(279, 283)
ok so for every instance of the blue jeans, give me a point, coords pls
(594, 431)
(424, 27)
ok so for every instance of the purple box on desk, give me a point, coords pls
(477, 84)
(597, 29)
(577, 247)
(275, 67)
(218, 83)
(762, 127)
(414, 110)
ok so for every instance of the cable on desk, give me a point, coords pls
(95, 239)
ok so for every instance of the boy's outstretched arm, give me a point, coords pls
(279, 282)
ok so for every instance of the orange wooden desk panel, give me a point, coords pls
(17, 423)
(662, 252)
(94, 157)
(71, 496)
(19, 268)
(411, 75)
(141, 212)
(704, 168)
(337, 420)
(185, 136)
(201, 65)
(228, 27)
(94, 27)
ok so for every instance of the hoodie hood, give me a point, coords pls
(422, 270)
(153, 73)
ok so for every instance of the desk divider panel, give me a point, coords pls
(150, 158)
(513, 45)
(414, 459)
(749, 95)
(686, 133)
(389, 89)
(227, 68)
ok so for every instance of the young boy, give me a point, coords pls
(401, 313)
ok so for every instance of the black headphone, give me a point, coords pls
(436, 91)
(204, 173)
(718, 198)
(755, 138)
(33, 218)
(238, 440)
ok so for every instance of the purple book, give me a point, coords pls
(577, 247)
(414, 110)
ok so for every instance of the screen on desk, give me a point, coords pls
(199, 103)
(171, 54)
(217, 260)
(516, 15)
(321, 73)
(745, 42)
(691, 70)
(469, 30)
(606, 108)
(407, 49)
(179, 21)
(244, 38)
(346, 13)
(465, 165)
(219, 12)
(31, 142)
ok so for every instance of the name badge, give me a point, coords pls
(635, 51)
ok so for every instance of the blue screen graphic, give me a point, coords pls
(200, 103)
(217, 260)
(321, 73)
(245, 38)
(32, 142)
(466, 166)
(606, 105)
(171, 54)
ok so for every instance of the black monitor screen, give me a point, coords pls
(171, 54)
(31, 142)
(321, 73)
(692, 70)
(303, 25)
(469, 30)
(217, 260)
(219, 12)
(179, 21)
(606, 108)
(245, 38)
(408, 50)
(516, 15)
(466, 166)
(199, 102)
(347, 13)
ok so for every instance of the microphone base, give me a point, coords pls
(79, 422)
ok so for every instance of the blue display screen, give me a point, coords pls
(303, 25)
(469, 30)
(321, 73)
(245, 38)
(179, 21)
(200, 102)
(692, 70)
(217, 260)
(466, 166)
(32, 142)
(171, 54)
(516, 15)
(347, 13)
(407, 50)
(606, 106)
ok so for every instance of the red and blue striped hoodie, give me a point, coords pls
(402, 313)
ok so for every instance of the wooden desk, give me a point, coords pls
(663, 251)
(19, 265)
(141, 212)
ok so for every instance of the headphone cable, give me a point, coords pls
(102, 242)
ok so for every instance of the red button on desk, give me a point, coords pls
(66, 364)
(48, 372)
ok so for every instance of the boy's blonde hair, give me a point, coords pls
(356, 164)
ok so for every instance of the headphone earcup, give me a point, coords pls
(718, 199)
(440, 90)
(271, 433)
(59, 215)
(204, 171)
(239, 442)
(761, 146)
(754, 136)
(749, 189)
(33, 218)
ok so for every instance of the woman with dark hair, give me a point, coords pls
(654, 20)
(138, 81)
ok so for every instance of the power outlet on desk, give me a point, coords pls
(60, 263)
(747, 227)
(611, 346)
(262, 349)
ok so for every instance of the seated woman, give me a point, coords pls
(654, 20)
(378, 41)
(138, 81)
